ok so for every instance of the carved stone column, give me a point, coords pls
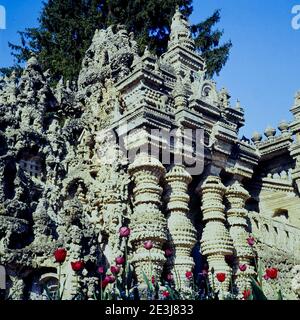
(182, 231)
(147, 221)
(216, 243)
(237, 196)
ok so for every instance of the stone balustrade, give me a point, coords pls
(276, 234)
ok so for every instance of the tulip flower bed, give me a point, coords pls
(117, 281)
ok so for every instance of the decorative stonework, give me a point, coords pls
(181, 230)
(296, 280)
(216, 243)
(237, 219)
(147, 220)
(64, 181)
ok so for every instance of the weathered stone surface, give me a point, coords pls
(66, 181)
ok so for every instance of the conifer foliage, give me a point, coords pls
(66, 28)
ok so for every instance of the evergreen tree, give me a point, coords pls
(63, 36)
(66, 28)
(207, 42)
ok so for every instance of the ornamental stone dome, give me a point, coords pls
(283, 126)
(256, 137)
(270, 132)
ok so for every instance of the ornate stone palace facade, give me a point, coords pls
(67, 181)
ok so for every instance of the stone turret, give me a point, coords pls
(180, 32)
(181, 47)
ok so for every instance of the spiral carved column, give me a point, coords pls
(181, 229)
(147, 221)
(237, 196)
(216, 243)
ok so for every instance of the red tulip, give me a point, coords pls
(189, 275)
(166, 294)
(101, 270)
(168, 253)
(120, 260)
(105, 282)
(243, 267)
(221, 276)
(60, 255)
(153, 280)
(124, 232)
(169, 277)
(272, 273)
(77, 265)
(148, 245)
(115, 269)
(247, 294)
(251, 241)
(112, 279)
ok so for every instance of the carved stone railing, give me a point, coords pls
(277, 234)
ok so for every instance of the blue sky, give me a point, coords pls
(263, 69)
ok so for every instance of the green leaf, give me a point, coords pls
(63, 289)
(49, 296)
(129, 277)
(149, 285)
(173, 295)
(260, 274)
(257, 292)
(280, 295)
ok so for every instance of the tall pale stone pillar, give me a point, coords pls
(216, 243)
(147, 221)
(237, 196)
(181, 229)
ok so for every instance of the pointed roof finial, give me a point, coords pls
(297, 98)
(180, 31)
(238, 105)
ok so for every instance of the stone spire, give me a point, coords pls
(180, 32)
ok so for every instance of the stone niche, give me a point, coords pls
(31, 162)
